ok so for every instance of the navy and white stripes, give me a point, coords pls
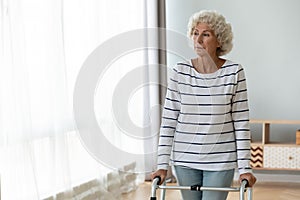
(205, 121)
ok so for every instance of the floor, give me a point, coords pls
(261, 191)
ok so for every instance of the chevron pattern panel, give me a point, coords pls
(256, 156)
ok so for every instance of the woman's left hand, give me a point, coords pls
(249, 177)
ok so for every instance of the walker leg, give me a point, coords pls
(250, 194)
(242, 189)
(163, 192)
(154, 186)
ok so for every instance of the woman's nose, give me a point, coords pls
(199, 39)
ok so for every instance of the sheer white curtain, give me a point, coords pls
(156, 73)
(43, 45)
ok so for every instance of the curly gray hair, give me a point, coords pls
(218, 24)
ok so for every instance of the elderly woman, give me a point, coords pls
(205, 123)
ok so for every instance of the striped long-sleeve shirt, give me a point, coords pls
(205, 120)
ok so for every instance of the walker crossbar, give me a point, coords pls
(242, 189)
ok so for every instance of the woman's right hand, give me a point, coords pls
(162, 173)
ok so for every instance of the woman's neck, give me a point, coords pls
(206, 64)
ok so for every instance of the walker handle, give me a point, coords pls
(246, 182)
(159, 179)
(155, 182)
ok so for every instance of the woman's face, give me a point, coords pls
(205, 40)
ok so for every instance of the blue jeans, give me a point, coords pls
(188, 176)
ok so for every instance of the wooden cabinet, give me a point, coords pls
(267, 154)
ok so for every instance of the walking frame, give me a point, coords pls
(242, 189)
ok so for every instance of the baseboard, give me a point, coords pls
(275, 176)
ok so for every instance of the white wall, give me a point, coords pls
(266, 43)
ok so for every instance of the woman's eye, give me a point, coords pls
(195, 33)
(205, 34)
